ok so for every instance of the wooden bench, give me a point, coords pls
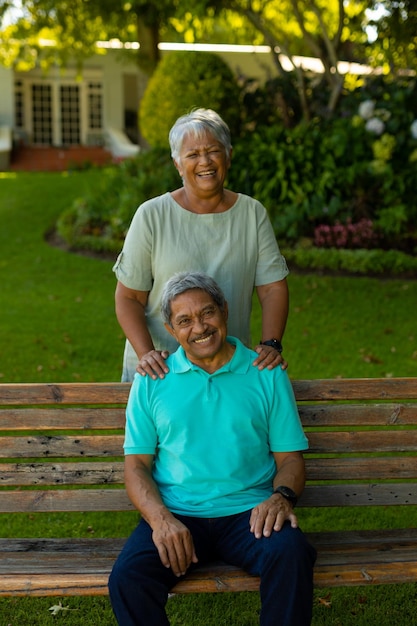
(61, 450)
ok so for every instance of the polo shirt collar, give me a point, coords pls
(238, 364)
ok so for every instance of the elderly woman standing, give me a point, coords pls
(200, 226)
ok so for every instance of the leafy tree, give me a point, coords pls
(318, 28)
(67, 24)
(396, 28)
(76, 25)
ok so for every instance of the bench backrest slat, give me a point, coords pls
(305, 390)
(362, 468)
(63, 393)
(58, 500)
(111, 473)
(370, 494)
(61, 446)
(363, 441)
(63, 418)
(112, 445)
(356, 389)
(388, 414)
(62, 500)
(68, 473)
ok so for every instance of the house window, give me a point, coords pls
(42, 113)
(19, 105)
(95, 105)
(70, 114)
(59, 110)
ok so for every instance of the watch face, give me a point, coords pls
(274, 343)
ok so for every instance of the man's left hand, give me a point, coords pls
(270, 516)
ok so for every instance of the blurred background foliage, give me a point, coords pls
(340, 182)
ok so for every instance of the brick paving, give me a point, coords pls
(49, 159)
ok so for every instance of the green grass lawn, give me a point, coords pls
(57, 309)
(57, 324)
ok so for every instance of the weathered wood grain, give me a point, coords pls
(61, 450)
(82, 566)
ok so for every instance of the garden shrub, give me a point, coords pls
(338, 170)
(182, 81)
(377, 262)
(99, 221)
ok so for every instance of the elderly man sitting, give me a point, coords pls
(213, 463)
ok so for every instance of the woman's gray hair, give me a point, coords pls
(197, 123)
(184, 281)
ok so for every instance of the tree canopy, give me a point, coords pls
(329, 30)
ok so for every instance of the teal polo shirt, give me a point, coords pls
(213, 435)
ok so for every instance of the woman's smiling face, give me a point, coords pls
(203, 163)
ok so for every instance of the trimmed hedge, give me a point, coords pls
(182, 81)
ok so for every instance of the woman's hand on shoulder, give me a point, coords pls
(268, 357)
(153, 364)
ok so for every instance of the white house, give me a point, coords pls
(61, 108)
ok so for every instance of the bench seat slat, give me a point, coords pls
(47, 585)
(96, 584)
(61, 566)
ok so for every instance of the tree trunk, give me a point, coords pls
(148, 37)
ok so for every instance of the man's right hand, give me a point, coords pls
(175, 545)
(153, 364)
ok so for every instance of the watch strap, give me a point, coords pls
(287, 493)
(274, 343)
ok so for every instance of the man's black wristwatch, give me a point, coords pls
(287, 493)
(274, 343)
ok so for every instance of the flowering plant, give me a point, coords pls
(375, 119)
(375, 125)
(350, 235)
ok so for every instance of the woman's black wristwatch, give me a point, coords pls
(274, 343)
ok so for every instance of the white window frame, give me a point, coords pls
(56, 78)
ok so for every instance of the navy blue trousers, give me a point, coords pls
(139, 584)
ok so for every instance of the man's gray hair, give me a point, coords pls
(184, 281)
(197, 123)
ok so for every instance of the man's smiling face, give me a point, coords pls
(200, 327)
